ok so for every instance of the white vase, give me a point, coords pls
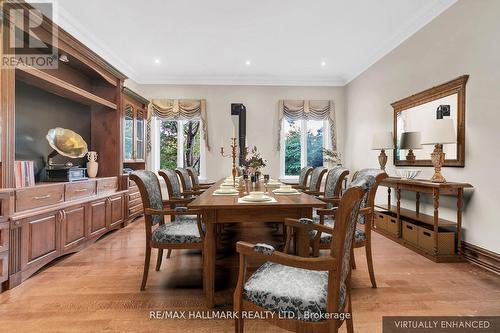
(92, 164)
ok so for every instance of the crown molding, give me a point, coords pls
(244, 81)
(425, 16)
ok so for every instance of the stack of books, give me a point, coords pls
(24, 173)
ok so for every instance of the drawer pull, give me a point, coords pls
(81, 190)
(409, 227)
(109, 185)
(41, 197)
(427, 233)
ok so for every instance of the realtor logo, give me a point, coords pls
(30, 37)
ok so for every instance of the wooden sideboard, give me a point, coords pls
(430, 235)
(53, 219)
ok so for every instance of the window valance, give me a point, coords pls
(181, 109)
(294, 110)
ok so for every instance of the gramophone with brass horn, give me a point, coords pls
(66, 143)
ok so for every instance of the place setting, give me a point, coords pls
(256, 196)
(286, 190)
(227, 187)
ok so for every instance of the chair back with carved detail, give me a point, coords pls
(373, 177)
(343, 238)
(305, 172)
(333, 183)
(149, 187)
(172, 182)
(316, 178)
(187, 184)
(193, 175)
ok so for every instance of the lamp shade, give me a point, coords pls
(440, 131)
(410, 140)
(383, 140)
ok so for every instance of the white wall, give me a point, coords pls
(262, 116)
(465, 39)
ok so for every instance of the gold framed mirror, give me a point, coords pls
(414, 113)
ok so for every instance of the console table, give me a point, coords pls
(417, 226)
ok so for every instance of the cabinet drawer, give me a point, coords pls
(380, 221)
(393, 226)
(107, 185)
(79, 190)
(39, 196)
(135, 209)
(410, 232)
(4, 236)
(446, 241)
(132, 185)
(134, 196)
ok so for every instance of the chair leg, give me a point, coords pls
(169, 252)
(353, 261)
(369, 261)
(238, 324)
(158, 260)
(350, 322)
(146, 268)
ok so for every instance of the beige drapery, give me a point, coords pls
(181, 109)
(294, 110)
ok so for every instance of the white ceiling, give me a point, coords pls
(209, 42)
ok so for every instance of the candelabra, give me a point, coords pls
(233, 155)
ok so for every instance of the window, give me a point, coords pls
(303, 143)
(179, 144)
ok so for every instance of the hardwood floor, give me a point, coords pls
(97, 290)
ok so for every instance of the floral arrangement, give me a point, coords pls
(332, 156)
(254, 160)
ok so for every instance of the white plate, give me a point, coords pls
(252, 199)
(231, 191)
(281, 191)
(287, 193)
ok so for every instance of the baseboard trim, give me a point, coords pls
(484, 258)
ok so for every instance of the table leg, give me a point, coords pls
(398, 204)
(435, 194)
(460, 204)
(209, 257)
(302, 242)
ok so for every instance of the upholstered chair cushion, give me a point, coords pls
(181, 231)
(284, 289)
(153, 190)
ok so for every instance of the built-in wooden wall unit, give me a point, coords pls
(134, 114)
(42, 222)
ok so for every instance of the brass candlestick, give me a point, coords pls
(233, 155)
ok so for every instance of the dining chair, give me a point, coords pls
(187, 184)
(305, 172)
(305, 292)
(373, 177)
(195, 179)
(317, 175)
(184, 231)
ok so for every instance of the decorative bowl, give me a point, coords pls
(408, 173)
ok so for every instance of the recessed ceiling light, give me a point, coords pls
(157, 61)
(248, 63)
(323, 63)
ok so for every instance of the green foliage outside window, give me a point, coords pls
(169, 142)
(293, 149)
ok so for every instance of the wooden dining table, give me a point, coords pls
(226, 209)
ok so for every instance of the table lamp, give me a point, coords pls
(383, 141)
(410, 141)
(440, 131)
